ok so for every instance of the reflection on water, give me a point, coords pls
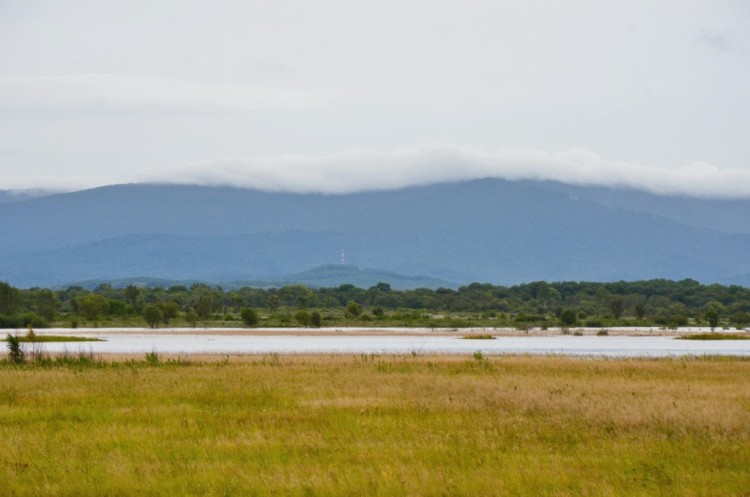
(609, 346)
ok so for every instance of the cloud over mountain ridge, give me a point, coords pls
(371, 170)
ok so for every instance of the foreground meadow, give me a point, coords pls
(377, 425)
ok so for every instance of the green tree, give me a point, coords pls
(46, 304)
(353, 309)
(316, 319)
(712, 316)
(132, 295)
(640, 309)
(547, 296)
(153, 315)
(568, 318)
(10, 299)
(302, 317)
(204, 307)
(91, 306)
(15, 351)
(617, 306)
(713, 313)
(192, 318)
(273, 301)
(169, 311)
(741, 319)
(249, 316)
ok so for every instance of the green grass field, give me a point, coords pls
(377, 425)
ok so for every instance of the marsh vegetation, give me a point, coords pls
(376, 425)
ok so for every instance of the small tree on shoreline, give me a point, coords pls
(15, 351)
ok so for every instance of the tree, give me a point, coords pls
(46, 305)
(10, 299)
(547, 295)
(316, 319)
(169, 310)
(205, 306)
(640, 309)
(91, 306)
(353, 309)
(712, 316)
(132, 294)
(302, 317)
(274, 301)
(192, 318)
(568, 318)
(153, 315)
(618, 306)
(741, 319)
(15, 351)
(713, 311)
(249, 316)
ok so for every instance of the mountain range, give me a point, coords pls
(490, 230)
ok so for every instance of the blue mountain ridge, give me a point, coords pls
(490, 230)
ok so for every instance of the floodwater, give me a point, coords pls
(290, 342)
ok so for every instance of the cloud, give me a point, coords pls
(117, 93)
(723, 42)
(368, 170)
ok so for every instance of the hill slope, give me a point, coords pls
(486, 230)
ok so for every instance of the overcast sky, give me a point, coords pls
(337, 96)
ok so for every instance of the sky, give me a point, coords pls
(338, 96)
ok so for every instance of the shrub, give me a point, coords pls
(568, 318)
(192, 318)
(152, 358)
(353, 309)
(249, 316)
(316, 319)
(593, 323)
(15, 351)
(302, 317)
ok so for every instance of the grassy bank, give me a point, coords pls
(376, 425)
(53, 339)
(715, 336)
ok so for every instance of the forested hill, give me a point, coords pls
(487, 230)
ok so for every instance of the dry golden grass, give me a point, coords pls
(377, 425)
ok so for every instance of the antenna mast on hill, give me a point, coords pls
(343, 257)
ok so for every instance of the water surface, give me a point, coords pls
(301, 343)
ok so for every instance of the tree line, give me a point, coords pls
(653, 302)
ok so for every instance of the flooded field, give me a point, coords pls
(411, 341)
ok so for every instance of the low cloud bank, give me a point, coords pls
(368, 170)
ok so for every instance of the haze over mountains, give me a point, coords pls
(489, 230)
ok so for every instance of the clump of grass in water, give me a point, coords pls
(478, 337)
(714, 336)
